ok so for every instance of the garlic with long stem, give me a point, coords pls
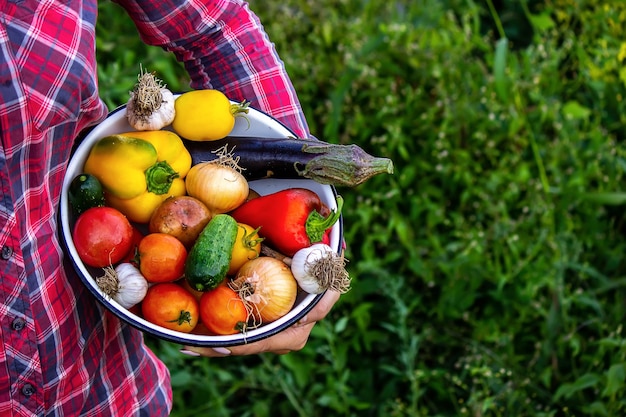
(124, 283)
(151, 104)
(318, 268)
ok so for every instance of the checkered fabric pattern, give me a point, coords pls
(61, 353)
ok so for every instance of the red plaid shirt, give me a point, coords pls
(62, 353)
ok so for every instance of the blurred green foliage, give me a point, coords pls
(488, 270)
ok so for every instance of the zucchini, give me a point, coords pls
(85, 191)
(326, 163)
(208, 260)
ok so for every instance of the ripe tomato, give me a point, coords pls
(202, 329)
(132, 253)
(186, 285)
(102, 236)
(222, 311)
(161, 257)
(247, 246)
(171, 306)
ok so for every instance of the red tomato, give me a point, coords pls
(132, 253)
(222, 311)
(202, 329)
(102, 236)
(197, 294)
(161, 257)
(171, 306)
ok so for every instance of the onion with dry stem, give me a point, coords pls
(267, 287)
(219, 183)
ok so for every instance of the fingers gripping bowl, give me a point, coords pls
(257, 124)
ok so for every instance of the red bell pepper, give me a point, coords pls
(290, 219)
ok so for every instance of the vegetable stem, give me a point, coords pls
(316, 224)
(250, 240)
(342, 164)
(159, 177)
(184, 317)
(267, 251)
(240, 108)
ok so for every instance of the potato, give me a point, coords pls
(183, 217)
(252, 194)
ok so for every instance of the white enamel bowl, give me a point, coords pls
(260, 125)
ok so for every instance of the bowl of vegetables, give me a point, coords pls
(218, 266)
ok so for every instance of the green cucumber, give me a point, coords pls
(85, 191)
(208, 260)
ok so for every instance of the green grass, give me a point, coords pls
(488, 270)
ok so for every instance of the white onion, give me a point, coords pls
(220, 187)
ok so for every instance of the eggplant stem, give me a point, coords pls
(346, 165)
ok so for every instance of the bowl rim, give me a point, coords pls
(188, 339)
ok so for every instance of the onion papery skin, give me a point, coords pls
(220, 188)
(268, 286)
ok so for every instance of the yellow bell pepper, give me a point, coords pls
(139, 209)
(138, 170)
(169, 148)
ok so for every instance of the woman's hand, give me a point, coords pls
(290, 339)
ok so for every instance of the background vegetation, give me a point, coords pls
(488, 271)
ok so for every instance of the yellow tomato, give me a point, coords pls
(247, 247)
(204, 115)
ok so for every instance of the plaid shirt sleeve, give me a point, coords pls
(223, 46)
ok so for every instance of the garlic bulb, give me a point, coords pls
(124, 283)
(318, 268)
(151, 104)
